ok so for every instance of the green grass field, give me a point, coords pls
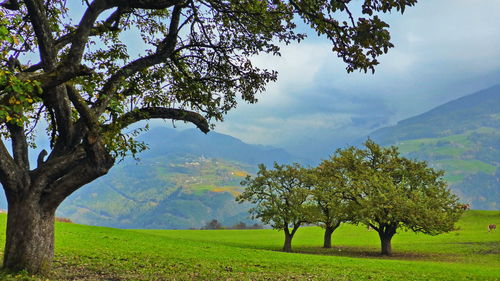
(98, 253)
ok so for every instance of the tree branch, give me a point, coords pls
(295, 227)
(90, 162)
(110, 24)
(95, 9)
(84, 172)
(10, 5)
(147, 4)
(8, 167)
(55, 77)
(160, 113)
(57, 99)
(56, 166)
(43, 33)
(19, 146)
(163, 53)
(87, 115)
(83, 31)
(33, 68)
(40, 159)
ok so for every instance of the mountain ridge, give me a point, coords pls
(461, 137)
(480, 104)
(184, 180)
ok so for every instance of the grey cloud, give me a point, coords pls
(444, 49)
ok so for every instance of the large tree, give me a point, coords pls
(69, 68)
(392, 192)
(281, 198)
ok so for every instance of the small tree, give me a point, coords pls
(256, 226)
(240, 225)
(213, 224)
(332, 208)
(393, 192)
(281, 198)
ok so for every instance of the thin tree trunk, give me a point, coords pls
(287, 246)
(328, 237)
(30, 237)
(385, 241)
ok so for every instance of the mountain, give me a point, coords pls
(170, 142)
(184, 180)
(187, 178)
(461, 137)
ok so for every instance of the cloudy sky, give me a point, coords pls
(445, 49)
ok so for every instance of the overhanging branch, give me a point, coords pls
(160, 113)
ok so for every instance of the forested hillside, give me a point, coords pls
(463, 138)
(187, 178)
(183, 181)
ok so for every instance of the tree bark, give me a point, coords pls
(385, 241)
(33, 200)
(287, 246)
(327, 244)
(29, 241)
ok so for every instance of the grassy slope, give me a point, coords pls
(470, 160)
(458, 154)
(98, 253)
(460, 137)
(147, 187)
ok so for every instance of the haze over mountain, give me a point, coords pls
(187, 178)
(438, 56)
(461, 137)
(184, 180)
(481, 109)
(165, 142)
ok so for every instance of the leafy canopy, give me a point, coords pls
(331, 187)
(393, 192)
(196, 64)
(281, 196)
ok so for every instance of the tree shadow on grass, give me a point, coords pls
(363, 252)
(483, 248)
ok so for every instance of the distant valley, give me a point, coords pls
(187, 178)
(184, 180)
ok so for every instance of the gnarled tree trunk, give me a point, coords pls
(33, 197)
(30, 236)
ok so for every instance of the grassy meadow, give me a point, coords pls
(99, 253)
